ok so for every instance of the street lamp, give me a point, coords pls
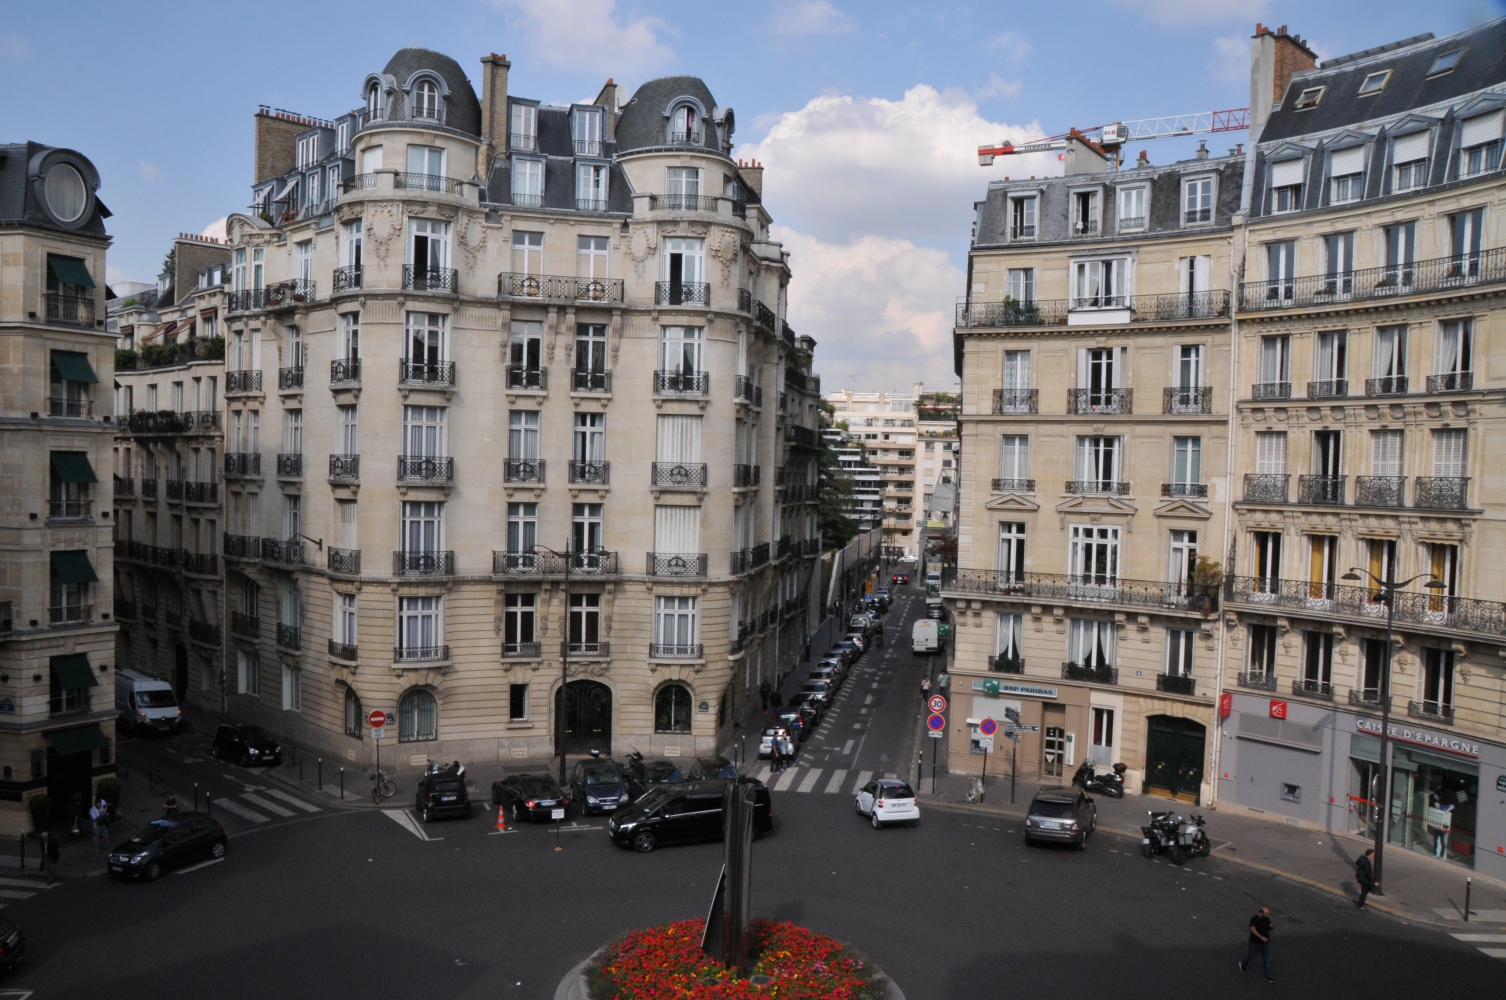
(1383, 798)
(559, 722)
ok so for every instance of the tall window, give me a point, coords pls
(304, 265)
(1266, 560)
(1331, 369)
(1346, 172)
(518, 623)
(1197, 200)
(1094, 554)
(1017, 383)
(527, 182)
(525, 127)
(1388, 359)
(422, 526)
(1011, 561)
(1091, 643)
(417, 717)
(349, 429)
(677, 529)
(428, 244)
(1009, 634)
(1101, 750)
(680, 349)
(248, 672)
(355, 719)
(292, 688)
(522, 527)
(585, 623)
(1281, 270)
(591, 187)
(1132, 208)
(1286, 185)
(1014, 460)
(1386, 453)
(683, 262)
(423, 431)
(1275, 362)
(676, 622)
(292, 432)
(1465, 236)
(1338, 254)
(591, 437)
(590, 352)
(1438, 681)
(523, 435)
(682, 183)
(1270, 453)
(1263, 652)
(525, 354)
(1328, 453)
(345, 619)
(1186, 465)
(527, 252)
(585, 129)
(1179, 651)
(345, 512)
(1022, 218)
(591, 255)
(427, 341)
(1450, 460)
(292, 516)
(1098, 463)
(1190, 366)
(684, 125)
(672, 709)
(1022, 284)
(1317, 663)
(586, 527)
(1183, 558)
(1479, 144)
(1099, 283)
(418, 626)
(1453, 361)
(350, 336)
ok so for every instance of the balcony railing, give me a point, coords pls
(289, 466)
(590, 381)
(345, 561)
(200, 563)
(1187, 399)
(347, 279)
(1190, 491)
(681, 383)
(244, 624)
(682, 202)
(677, 564)
(1110, 401)
(598, 473)
(1321, 490)
(678, 475)
(587, 147)
(1305, 687)
(1176, 684)
(531, 563)
(203, 632)
(744, 388)
(63, 407)
(289, 636)
(201, 421)
(246, 380)
(589, 650)
(523, 470)
(686, 138)
(427, 182)
(242, 463)
(70, 310)
(1013, 485)
(1006, 664)
(420, 654)
(1257, 680)
(242, 546)
(155, 422)
(597, 561)
(1436, 275)
(745, 560)
(125, 486)
(520, 377)
(1451, 382)
(425, 469)
(348, 651)
(1097, 589)
(70, 614)
(802, 437)
(426, 372)
(289, 552)
(1097, 487)
(76, 702)
(1431, 711)
(522, 650)
(1016, 400)
(763, 315)
(430, 279)
(682, 293)
(522, 143)
(676, 651)
(1441, 493)
(1335, 388)
(423, 563)
(811, 547)
(561, 287)
(1390, 385)
(1053, 312)
(1271, 390)
(1266, 487)
(72, 510)
(745, 475)
(1092, 673)
(1365, 698)
(149, 488)
(1380, 491)
(290, 378)
(1412, 608)
(344, 468)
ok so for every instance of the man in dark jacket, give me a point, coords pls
(763, 694)
(1364, 874)
(1260, 942)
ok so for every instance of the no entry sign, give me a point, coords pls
(377, 719)
(988, 727)
(935, 723)
(937, 703)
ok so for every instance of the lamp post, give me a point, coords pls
(1382, 803)
(559, 722)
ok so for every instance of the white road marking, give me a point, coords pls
(201, 864)
(284, 796)
(847, 748)
(835, 784)
(763, 774)
(811, 778)
(863, 778)
(890, 776)
(26, 883)
(1486, 938)
(784, 780)
(404, 819)
(268, 805)
(868, 700)
(857, 725)
(231, 806)
(1495, 952)
(12, 894)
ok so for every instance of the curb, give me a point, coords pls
(573, 986)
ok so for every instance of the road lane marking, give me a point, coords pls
(868, 700)
(267, 804)
(404, 819)
(12, 894)
(284, 796)
(863, 778)
(784, 780)
(26, 883)
(201, 864)
(231, 806)
(763, 774)
(835, 784)
(847, 748)
(811, 777)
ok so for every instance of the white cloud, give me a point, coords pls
(998, 87)
(809, 17)
(880, 309)
(1231, 59)
(590, 35)
(844, 167)
(1012, 44)
(1179, 13)
(149, 171)
(216, 229)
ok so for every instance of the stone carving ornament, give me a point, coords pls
(384, 223)
(470, 234)
(643, 243)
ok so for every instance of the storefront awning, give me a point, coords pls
(80, 739)
(73, 467)
(74, 567)
(73, 671)
(74, 366)
(70, 271)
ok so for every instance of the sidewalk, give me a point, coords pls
(1417, 888)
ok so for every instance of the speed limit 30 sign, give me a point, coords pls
(937, 704)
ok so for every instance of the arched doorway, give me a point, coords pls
(587, 713)
(1174, 757)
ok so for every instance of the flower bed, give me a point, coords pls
(785, 961)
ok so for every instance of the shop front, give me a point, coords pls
(1435, 790)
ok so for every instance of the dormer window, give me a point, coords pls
(1085, 213)
(1132, 208)
(308, 150)
(1309, 98)
(1286, 186)
(1409, 155)
(524, 135)
(685, 126)
(585, 126)
(1480, 144)
(1197, 200)
(426, 100)
(374, 101)
(1346, 171)
(1022, 218)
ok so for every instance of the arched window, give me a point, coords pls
(684, 126)
(417, 717)
(354, 717)
(374, 100)
(426, 100)
(672, 709)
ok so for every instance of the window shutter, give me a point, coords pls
(1082, 368)
(1385, 455)
(1407, 148)
(679, 439)
(1448, 453)
(1342, 162)
(1286, 173)
(677, 529)
(1479, 130)
(1184, 275)
(1121, 368)
(1201, 272)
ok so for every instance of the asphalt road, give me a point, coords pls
(354, 902)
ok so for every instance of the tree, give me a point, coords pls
(834, 492)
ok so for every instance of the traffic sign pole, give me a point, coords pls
(1014, 767)
(983, 785)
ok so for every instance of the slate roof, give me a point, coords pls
(464, 113)
(18, 205)
(642, 124)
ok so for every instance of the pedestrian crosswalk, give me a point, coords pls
(1493, 945)
(254, 808)
(18, 886)
(805, 780)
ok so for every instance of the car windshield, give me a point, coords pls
(537, 786)
(602, 774)
(448, 786)
(771, 731)
(897, 791)
(255, 733)
(155, 699)
(661, 771)
(653, 797)
(151, 833)
(1053, 810)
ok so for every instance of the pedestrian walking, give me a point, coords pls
(787, 750)
(50, 853)
(776, 750)
(925, 686)
(1364, 874)
(776, 700)
(99, 819)
(763, 695)
(1260, 942)
(170, 805)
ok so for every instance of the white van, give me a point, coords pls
(933, 582)
(146, 703)
(923, 636)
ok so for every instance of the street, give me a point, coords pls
(351, 900)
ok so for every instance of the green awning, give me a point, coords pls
(73, 567)
(80, 739)
(74, 366)
(74, 672)
(69, 270)
(73, 467)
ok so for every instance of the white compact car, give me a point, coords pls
(888, 800)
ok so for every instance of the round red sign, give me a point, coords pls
(937, 704)
(378, 719)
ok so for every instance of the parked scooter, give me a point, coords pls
(1171, 834)
(1110, 783)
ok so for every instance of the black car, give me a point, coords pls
(644, 774)
(246, 745)
(529, 796)
(442, 793)
(812, 705)
(703, 768)
(900, 579)
(599, 785)
(684, 813)
(12, 944)
(170, 842)
(1062, 813)
(798, 722)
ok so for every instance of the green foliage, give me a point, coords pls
(214, 349)
(170, 262)
(125, 359)
(160, 355)
(41, 812)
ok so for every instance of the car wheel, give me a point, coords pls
(153, 871)
(875, 820)
(245, 760)
(218, 850)
(644, 841)
(857, 805)
(425, 815)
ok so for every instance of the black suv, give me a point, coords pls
(645, 774)
(442, 793)
(599, 785)
(529, 796)
(1062, 813)
(166, 843)
(246, 745)
(684, 813)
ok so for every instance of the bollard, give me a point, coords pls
(342, 784)
(321, 774)
(23, 852)
(195, 796)
(1467, 886)
(208, 804)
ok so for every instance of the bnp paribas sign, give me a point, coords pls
(1421, 737)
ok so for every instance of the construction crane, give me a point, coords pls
(1113, 136)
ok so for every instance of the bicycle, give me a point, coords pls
(382, 787)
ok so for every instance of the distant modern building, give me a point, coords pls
(57, 631)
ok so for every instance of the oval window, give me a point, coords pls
(66, 196)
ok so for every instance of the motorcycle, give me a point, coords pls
(1171, 834)
(1110, 783)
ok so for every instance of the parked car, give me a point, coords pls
(812, 704)
(246, 745)
(827, 674)
(12, 944)
(529, 796)
(841, 652)
(937, 611)
(706, 768)
(863, 624)
(834, 664)
(644, 774)
(797, 724)
(599, 785)
(899, 579)
(684, 813)
(442, 793)
(167, 843)
(1062, 813)
(820, 688)
(888, 800)
(853, 649)
(766, 741)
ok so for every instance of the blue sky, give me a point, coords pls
(865, 114)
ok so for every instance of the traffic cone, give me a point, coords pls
(502, 819)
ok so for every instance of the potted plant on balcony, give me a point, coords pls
(1207, 578)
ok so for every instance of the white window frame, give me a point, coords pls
(1127, 220)
(1199, 198)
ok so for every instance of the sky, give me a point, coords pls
(867, 116)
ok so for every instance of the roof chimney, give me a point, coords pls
(1144, 161)
(1202, 149)
(276, 144)
(494, 123)
(752, 173)
(1274, 57)
(608, 99)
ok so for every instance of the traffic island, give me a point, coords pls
(784, 961)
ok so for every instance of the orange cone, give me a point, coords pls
(502, 819)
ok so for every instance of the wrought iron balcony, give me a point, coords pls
(1365, 698)
(676, 651)
(290, 466)
(149, 487)
(427, 182)
(425, 469)
(1441, 612)
(74, 702)
(289, 552)
(521, 142)
(681, 383)
(590, 381)
(1330, 389)
(244, 624)
(590, 204)
(246, 380)
(420, 654)
(1095, 589)
(764, 316)
(1380, 491)
(588, 147)
(201, 421)
(686, 138)
(597, 561)
(682, 293)
(597, 473)
(283, 294)
(1436, 275)
(347, 651)
(1266, 487)
(242, 546)
(63, 407)
(70, 310)
(1092, 673)
(744, 388)
(1053, 312)
(802, 437)
(347, 279)
(430, 279)
(344, 371)
(530, 563)
(1100, 400)
(1180, 399)
(1006, 664)
(523, 470)
(520, 377)
(1016, 400)
(1022, 232)
(1013, 485)
(155, 422)
(1390, 385)
(1431, 711)
(1191, 491)
(1097, 487)
(1305, 687)
(746, 560)
(289, 636)
(345, 561)
(125, 486)
(523, 650)
(1321, 490)
(559, 287)
(811, 547)
(528, 199)
(682, 202)
(290, 378)
(423, 563)
(203, 632)
(345, 468)
(200, 563)
(1441, 493)
(435, 373)
(70, 614)
(1257, 680)
(237, 463)
(1176, 683)
(1451, 382)
(74, 510)
(678, 475)
(745, 475)
(1271, 390)
(677, 564)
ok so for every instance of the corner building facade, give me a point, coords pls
(518, 439)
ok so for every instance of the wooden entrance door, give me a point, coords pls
(1174, 757)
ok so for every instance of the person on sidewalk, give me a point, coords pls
(787, 751)
(170, 805)
(925, 686)
(763, 695)
(50, 855)
(776, 700)
(1364, 874)
(1260, 942)
(99, 819)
